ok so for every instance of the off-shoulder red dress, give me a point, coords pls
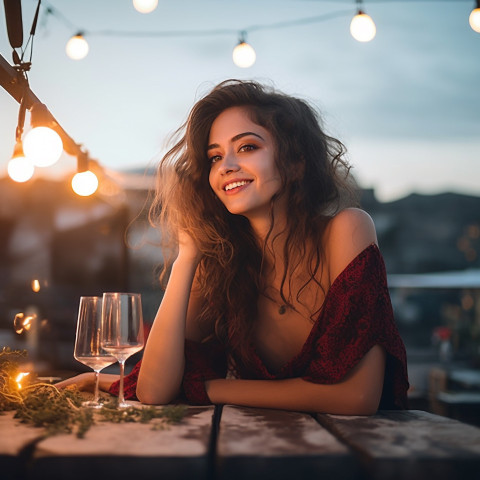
(356, 315)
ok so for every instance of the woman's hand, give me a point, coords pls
(84, 381)
(187, 248)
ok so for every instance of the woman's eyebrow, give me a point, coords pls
(235, 138)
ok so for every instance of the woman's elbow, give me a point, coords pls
(149, 395)
(365, 404)
(152, 398)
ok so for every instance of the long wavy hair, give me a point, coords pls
(315, 179)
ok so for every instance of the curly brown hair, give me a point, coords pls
(315, 179)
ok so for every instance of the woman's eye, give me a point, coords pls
(214, 158)
(247, 148)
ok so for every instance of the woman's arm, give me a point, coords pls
(86, 381)
(163, 362)
(358, 393)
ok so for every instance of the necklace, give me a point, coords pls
(282, 307)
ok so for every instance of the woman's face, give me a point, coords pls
(243, 173)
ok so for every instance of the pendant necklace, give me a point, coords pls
(282, 307)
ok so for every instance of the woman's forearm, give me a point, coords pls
(358, 393)
(163, 361)
(291, 394)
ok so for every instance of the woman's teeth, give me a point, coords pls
(233, 185)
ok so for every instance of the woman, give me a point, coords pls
(277, 297)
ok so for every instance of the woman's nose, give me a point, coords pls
(229, 164)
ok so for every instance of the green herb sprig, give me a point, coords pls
(61, 411)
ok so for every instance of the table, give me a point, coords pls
(230, 442)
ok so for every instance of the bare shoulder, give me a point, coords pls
(348, 233)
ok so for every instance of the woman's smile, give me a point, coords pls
(235, 186)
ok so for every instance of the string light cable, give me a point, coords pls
(362, 23)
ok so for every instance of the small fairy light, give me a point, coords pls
(243, 54)
(23, 323)
(19, 379)
(43, 146)
(362, 27)
(145, 6)
(85, 183)
(77, 47)
(36, 285)
(474, 18)
(20, 169)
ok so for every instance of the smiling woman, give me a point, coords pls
(277, 294)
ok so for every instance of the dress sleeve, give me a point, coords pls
(129, 384)
(203, 361)
(357, 316)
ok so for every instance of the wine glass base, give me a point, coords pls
(125, 404)
(92, 404)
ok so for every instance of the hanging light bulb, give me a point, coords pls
(77, 47)
(145, 6)
(42, 145)
(362, 27)
(243, 55)
(85, 183)
(474, 18)
(20, 168)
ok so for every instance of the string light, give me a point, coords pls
(20, 169)
(243, 55)
(85, 183)
(42, 144)
(36, 285)
(474, 18)
(77, 47)
(362, 27)
(145, 6)
(19, 378)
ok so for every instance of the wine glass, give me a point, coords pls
(122, 330)
(87, 342)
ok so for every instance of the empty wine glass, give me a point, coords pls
(87, 342)
(122, 330)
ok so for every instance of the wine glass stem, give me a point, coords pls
(97, 381)
(121, 398)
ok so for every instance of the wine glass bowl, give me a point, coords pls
(88, 349)
(122, 330)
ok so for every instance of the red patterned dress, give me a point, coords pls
(356, 315)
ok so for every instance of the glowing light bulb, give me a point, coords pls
(43, 146)
(77, 47)
(36, 285)
(362, 27)
(23, 323)
(244, 55)
(145, 6)
(474, 19)
(20, 169)
(19, 379)
(85, 183)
